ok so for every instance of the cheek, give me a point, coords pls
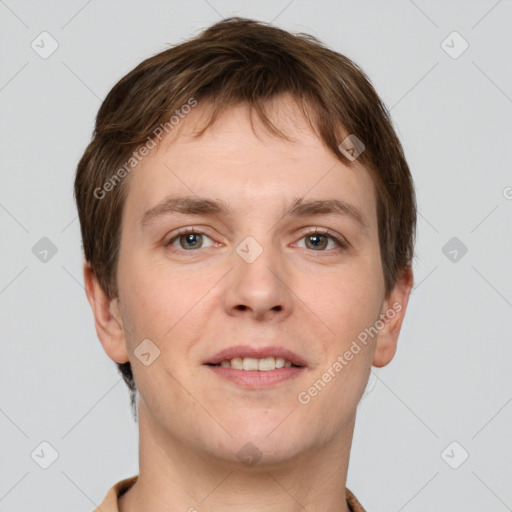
(162, 302)
(348, 300)
(349, 304)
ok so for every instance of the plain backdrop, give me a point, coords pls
(433, 430)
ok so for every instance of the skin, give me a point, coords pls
(192, 304)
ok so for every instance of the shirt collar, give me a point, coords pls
(109, 504)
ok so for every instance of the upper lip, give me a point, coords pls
(256, 352)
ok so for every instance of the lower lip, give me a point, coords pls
(256, 379)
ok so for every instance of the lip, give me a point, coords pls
(255, 379)
(257, 353)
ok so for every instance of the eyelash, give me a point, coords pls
(340, 241)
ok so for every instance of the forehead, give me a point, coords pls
(239, 161)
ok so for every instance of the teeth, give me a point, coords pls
(269, 363)
(237, 363)
(251, 363)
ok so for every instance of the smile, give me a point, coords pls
(264, 364)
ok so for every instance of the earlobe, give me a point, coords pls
(392, 315)
(107, 317)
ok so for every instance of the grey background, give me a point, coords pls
(451, 378)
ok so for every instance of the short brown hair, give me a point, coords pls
(243, 61)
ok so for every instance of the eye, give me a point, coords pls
(319, 238)
(189, 239)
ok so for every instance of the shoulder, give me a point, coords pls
(352, 502)
(109, 503)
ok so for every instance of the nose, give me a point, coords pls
(258, 288)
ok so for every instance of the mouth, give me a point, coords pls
(265, 364)
(251, 358)
(256, 368)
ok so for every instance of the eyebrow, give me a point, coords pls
(190, 205)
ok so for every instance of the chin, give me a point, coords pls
(263, 425)
(259, 454)
(269, 442)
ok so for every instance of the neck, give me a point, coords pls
(177, 477)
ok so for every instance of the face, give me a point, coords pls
(265, 269)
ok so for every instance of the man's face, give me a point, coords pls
(254, 277)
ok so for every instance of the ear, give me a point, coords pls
(107, 318)
(392, 315)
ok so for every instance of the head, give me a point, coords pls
(258, 121)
